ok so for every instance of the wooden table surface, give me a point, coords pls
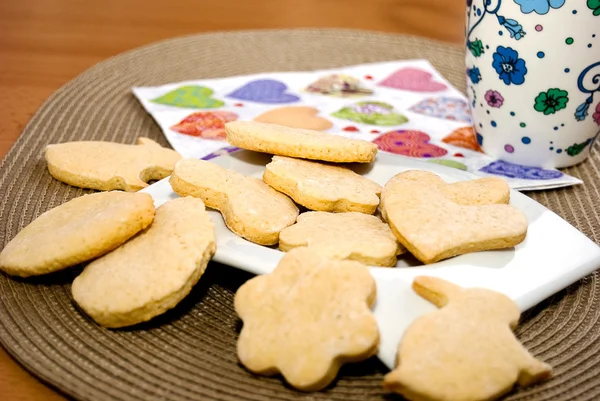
(45, 43)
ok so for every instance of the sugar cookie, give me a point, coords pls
(322, 187)
(76, 231)
(306, 319)
(463, 351)
(151, 273)
(107, 165)
(296, 142)
(353, 236)
(433, 227)
(250, 208)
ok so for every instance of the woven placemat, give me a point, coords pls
(189, 353)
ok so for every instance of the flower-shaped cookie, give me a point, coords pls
(307, 318)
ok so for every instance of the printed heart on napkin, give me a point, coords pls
(371, 112)
(295, 117)
(191, 97)
(264, 91)
(463, 137)
(205, 124)
(511, 170)
(409, 143)
(413, 79)
(448, 108)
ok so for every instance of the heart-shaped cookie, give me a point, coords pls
(409, 143)
(191, 97)
(264, 91)
(413, 79)
(205, 124)
(482, 191)
(463, 137)
(433, 227)
(295, 117)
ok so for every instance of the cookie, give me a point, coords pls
(151, 273)
(296, 142)
(306, 319)
(352, 236)
(107, 166)
(463, 351)
(322, 187)
(481, 191)
(250, 208)
(295, 117)
(433, 227)
(79, 230)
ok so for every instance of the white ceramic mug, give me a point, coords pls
(533, 78)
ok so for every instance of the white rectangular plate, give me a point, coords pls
(553, 255)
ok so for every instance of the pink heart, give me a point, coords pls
(413, 79)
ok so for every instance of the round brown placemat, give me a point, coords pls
(189, 353)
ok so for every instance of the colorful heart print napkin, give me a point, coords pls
(405, 107)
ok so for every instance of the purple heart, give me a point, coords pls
(264, 91)
(511, 170)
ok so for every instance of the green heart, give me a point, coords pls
(191, 97)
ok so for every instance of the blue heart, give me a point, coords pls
(264, 91)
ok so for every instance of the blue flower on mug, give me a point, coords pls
(508, 65)
(474, 74)
(512, 26)
(582, 111)
(540, 7)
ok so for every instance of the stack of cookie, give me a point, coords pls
(313, 312)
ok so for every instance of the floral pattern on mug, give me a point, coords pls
(596, 115)
(551, 101)
(513, 27)
(508, 65)
(582, 111)
(494, 98)
(594, 5)
(474, 74)
(476, 48)
(540, 7)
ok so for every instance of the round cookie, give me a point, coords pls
(300, 143)
(76, 231)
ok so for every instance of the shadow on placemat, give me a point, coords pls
(189, 353)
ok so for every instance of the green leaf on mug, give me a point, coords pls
(190, 96)
(476, 48)
(577, 148)
(551, 101)
(594, 5)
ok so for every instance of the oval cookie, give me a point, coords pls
(151, 273)
(76, 231)
(296, 142)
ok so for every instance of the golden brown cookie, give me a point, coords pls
(433, 227)
(250, 208)
(107, 166)
(466, 350)
(79, 230)
(322, 187)
(306, 319)
(481, 191)
(151, 273)
(295, 142)
(352, 236)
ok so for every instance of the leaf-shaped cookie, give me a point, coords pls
(464, 351)
(108, 166)
(191, 97)
(307, 318)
